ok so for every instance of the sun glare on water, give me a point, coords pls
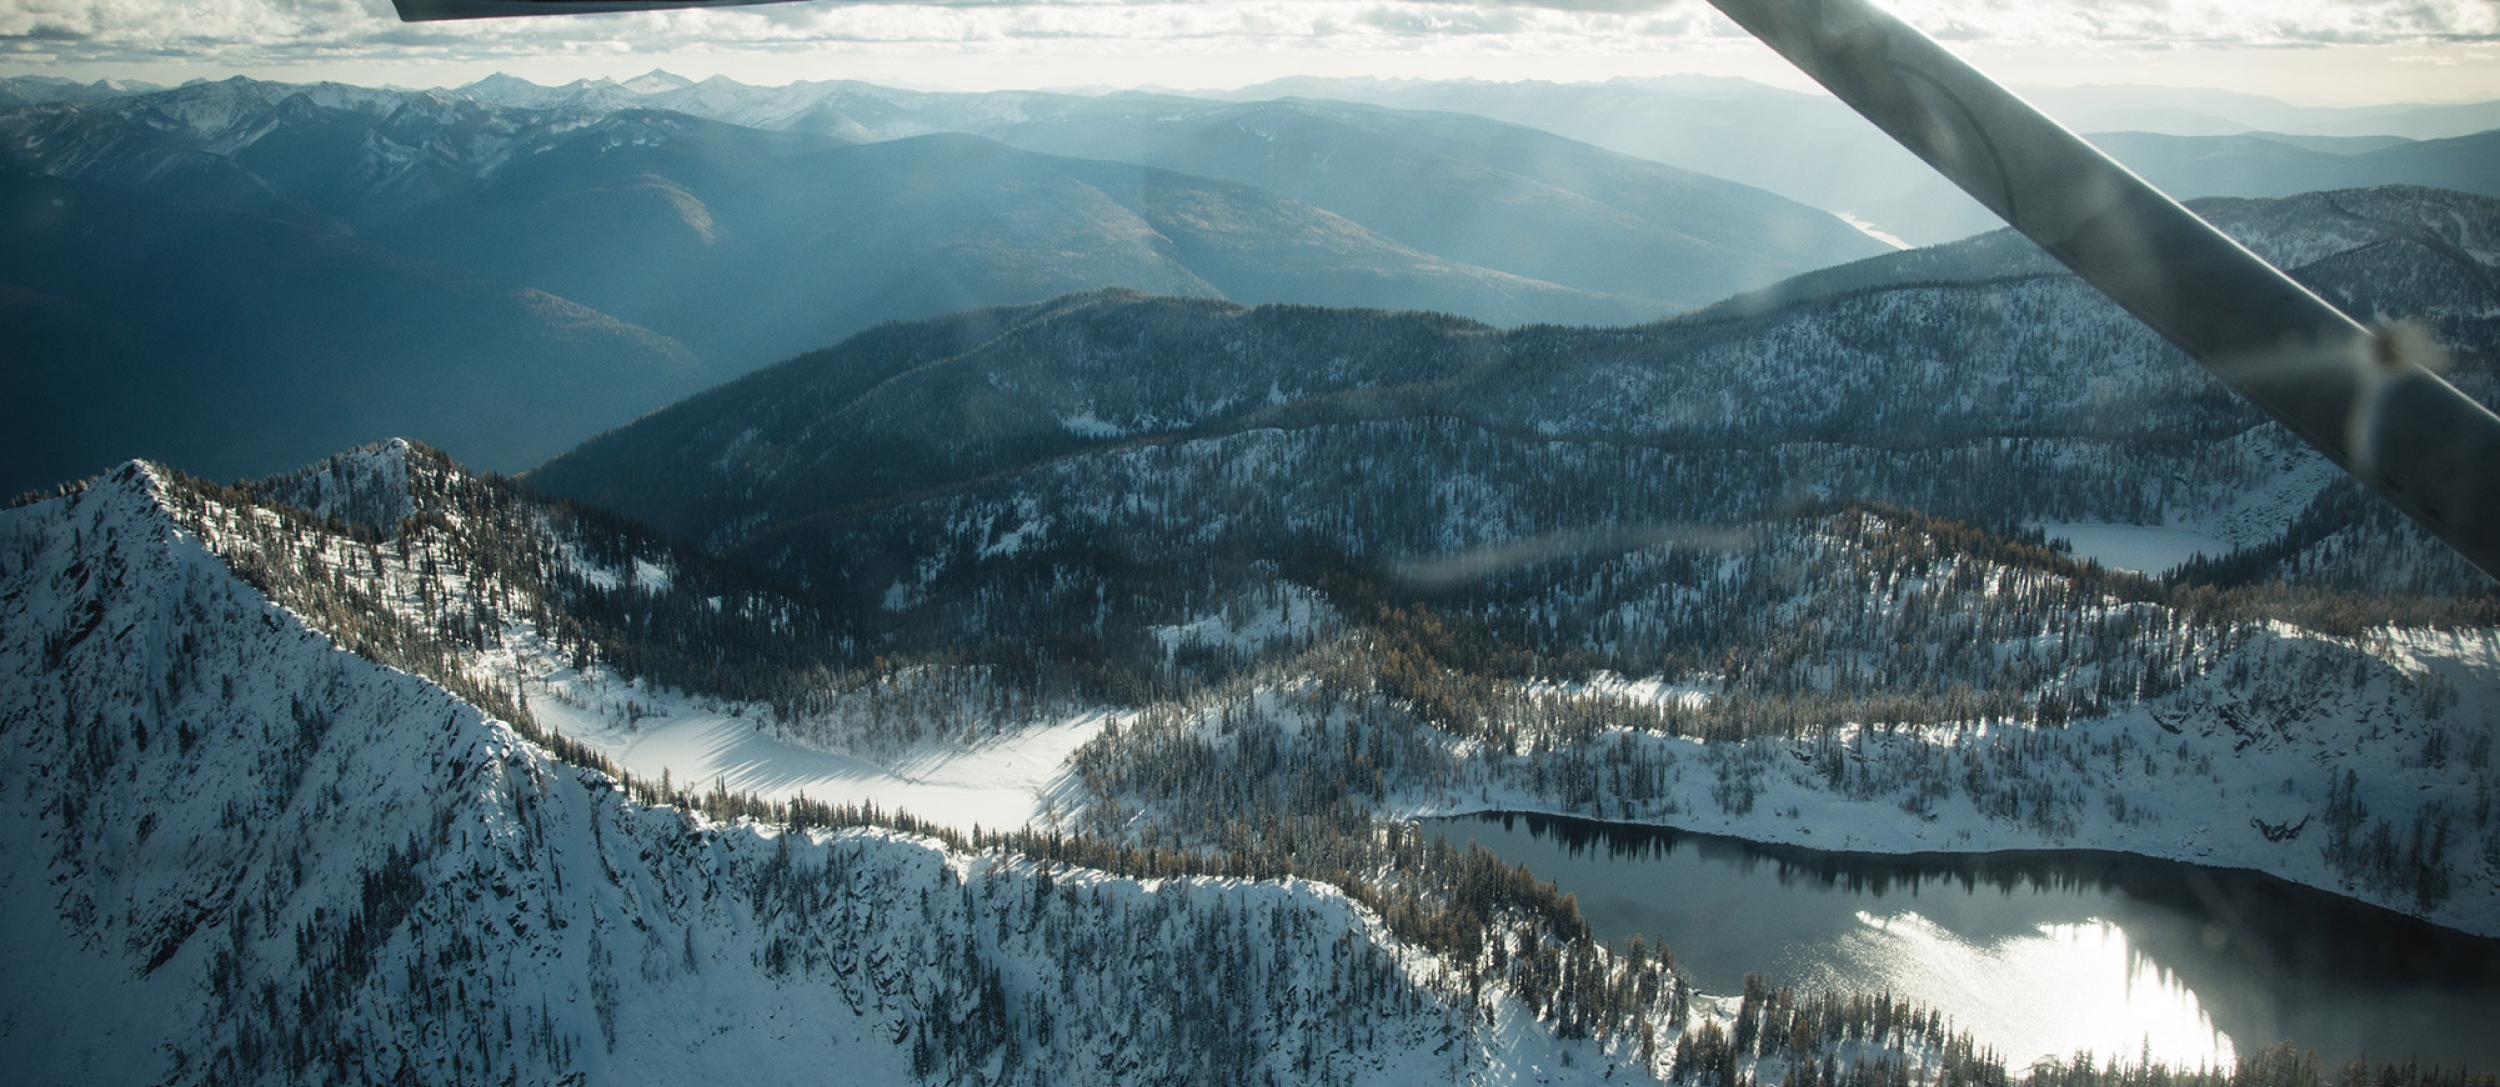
(2042, 995)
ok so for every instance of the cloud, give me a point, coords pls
(2164, 22)
(2207, 22)
(1613, 7)
(262, 32)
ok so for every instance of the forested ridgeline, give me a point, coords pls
(1867, 654)
(2002, 398)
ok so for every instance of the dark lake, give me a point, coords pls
(2036, 953)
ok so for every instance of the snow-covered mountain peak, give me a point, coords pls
(368, 486)
(497, 84)
(513, 92)
(215, 113)
(38, 89)
(655, 81)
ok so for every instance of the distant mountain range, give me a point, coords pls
(2168, 110)
(718, 226)
(28, 90)
(727, 246)
(1498, 195)
(1809, 148)
(1812, 149)
(1806, 147)
(2270, 164)
(1481, 200)
(2176, 111)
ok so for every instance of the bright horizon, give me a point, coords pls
(2305, 52)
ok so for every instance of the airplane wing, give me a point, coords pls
(427, 11)
(2363, 397)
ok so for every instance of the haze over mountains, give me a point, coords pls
(230, 341)
(1498, 195)
(786, 218)
(1806, 147)
(777, 241)
(1812, 149)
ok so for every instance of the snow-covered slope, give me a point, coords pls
(236, 853)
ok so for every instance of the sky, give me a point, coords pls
(2311, 52)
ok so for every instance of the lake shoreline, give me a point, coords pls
(2057, 855)
(2020, 945)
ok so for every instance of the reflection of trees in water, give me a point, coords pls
(2264, 956)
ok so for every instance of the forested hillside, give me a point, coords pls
(1967, 381)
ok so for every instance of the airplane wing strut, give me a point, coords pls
(2363, 397)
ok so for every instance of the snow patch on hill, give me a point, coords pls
(1274, 617)
(997, 783)
(2142, 549)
